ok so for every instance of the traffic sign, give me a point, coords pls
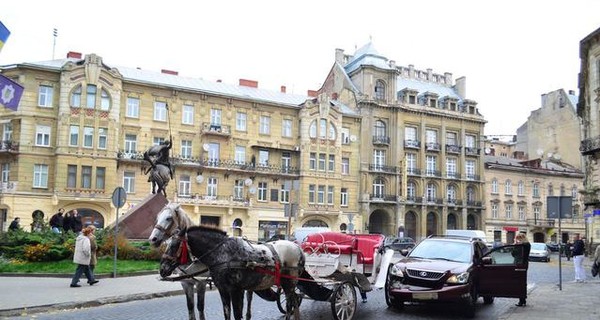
(119, 197)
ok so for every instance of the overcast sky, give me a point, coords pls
(510, 51)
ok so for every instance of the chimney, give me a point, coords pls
(73, 54)
(165, 71)
(411, 71)
(339, 56)
(283, 89)
(461, 87)
(249, 83)
(312, 93)
(334, 96)
(393, 64)
(448, 78)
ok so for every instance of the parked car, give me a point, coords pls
(458, 270)
(554, 247)
(399, 244)
(539, 252)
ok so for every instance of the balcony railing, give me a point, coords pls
(433, 200)
(130, 155)
(383, 197)
(9, 146)
(381, 140)
(414, 144)
(472, 177)
(414, 199)
(413, 171)
(216, 128)
(590, 146)
(473, 203)
(470, 151)
(432, 146)
(453, 148)
(213, 200)
(433, 173)
(541, 222)
(453, 175)
(382, 168)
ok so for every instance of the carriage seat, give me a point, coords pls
(345, 244)
(366, 245)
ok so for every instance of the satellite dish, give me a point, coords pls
(353, 138)
(488, 150)
(199, 178)
(206, 147)
(252, 190)
(248, 182)
(540, 152)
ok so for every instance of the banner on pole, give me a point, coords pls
(10, 93)
(4, 33)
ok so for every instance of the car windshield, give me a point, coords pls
(538, 246)
(443, 250)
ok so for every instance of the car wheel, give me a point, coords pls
(488, 300)
(389, 299)
(470, 303)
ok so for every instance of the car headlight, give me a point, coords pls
(458, 278)
(395, 270)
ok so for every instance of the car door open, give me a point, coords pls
(503, 272)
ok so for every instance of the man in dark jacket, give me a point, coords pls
(578, 251)
(57, 221)
(76, 224)
(14, 225)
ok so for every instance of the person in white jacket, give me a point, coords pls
(82, 258)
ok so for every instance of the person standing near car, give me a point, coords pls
(578, 251)
(521, 239)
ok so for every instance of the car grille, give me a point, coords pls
(423, 274)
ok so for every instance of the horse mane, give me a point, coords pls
(183, 218)
(208, 228)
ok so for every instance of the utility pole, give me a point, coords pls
(54, 34)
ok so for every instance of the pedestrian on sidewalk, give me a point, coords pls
(82, 257)
(578, 252)
(57, 220)
(90, 230)
(522, 259)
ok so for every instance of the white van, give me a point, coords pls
(468, 233)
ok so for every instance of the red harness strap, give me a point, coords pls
(183, 257)
(277, 273)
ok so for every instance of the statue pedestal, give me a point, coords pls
(138, 222)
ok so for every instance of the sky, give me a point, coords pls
(510, 51)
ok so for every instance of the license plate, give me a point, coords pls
(425, 296)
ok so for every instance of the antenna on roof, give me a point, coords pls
(54, 34)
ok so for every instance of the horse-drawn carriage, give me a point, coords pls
(326, 266)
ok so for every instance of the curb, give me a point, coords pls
(70, 275)
(86, 304)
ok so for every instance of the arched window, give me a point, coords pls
(76, 97)
(521, 188)
(508, 187)
(378, 188)
(104, 100)
(470, 194)
(452, 221)
(379, 129)
(411, 191)
(312, 130)
(91, 96)
(431, 192)
(380, 90)
(323, 129)
(495, 185)
(332, 131)
(451, 193)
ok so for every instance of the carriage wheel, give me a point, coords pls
(343, 302)
(282, 299)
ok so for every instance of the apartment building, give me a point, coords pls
(420, 165)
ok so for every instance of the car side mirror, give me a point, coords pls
(404, 252)
(486, 260)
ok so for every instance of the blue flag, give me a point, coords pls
(10, 93)
(4, 33)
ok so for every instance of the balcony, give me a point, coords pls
(453, 175)
(216, 129)
(547, 223)
(8, 187)
(432, 146)
(433, 200)
(383, 197)
(471, 151)
(453, 149)
(433, 173)
(130, 155)
(413, 171)
(381, 140)
(590, 197)
(248, 166)
(382, 168)
(203, 199)
(412, 144)
(590, 146)
(473, 203)
(9, 146)
(472, 177)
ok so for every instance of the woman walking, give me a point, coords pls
(82, 258)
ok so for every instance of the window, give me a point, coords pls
(40, 176)
(7, 131)
(508, 208)
(104, 100)
(312, 130)
(331, 167)
(265, 125)
(431, 166)
(130, 143)
(378, 188)
(323, 128)
(211, 187)
(76, 97)
(536, 212)
(345, 165)
(470, 169)
(215, 117)
(102, 139)
(187, 114)
(285, 194)
(160, 111)
(411, 162)
(431, 192)
(470, 141)
(345, 136)
(5, 172)
(86, 177)
(344, 197)
(90, 101)
(451, 194)
(508, 187)
(213, 153)
(129, 181)
(470, 194)
(45, 94)
(332, 132)
(330, 195)
(431, 136)
(379, 130)
(240, 155)
(313, 161)
(100, 177)
(410, 134)
(495, 186)
(451, 167)
(536, 190)
(494, 211)
(321, 194)
(263, 158)
(238, 190)
(322, 161)
(379, 90)
(521, 213)
(240, 121)
(42, 136)
(186, 149)
(88, 137)
(185, 186)
(550, 189)
(311, 193)
(262, 191)
(451, 139)
(574, 192)
(71, 176)
(378, 159)
(74, 136)
(133, 108)
(286, 128)
(286, 162)
(521, 188)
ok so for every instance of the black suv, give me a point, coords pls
(458, 270)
